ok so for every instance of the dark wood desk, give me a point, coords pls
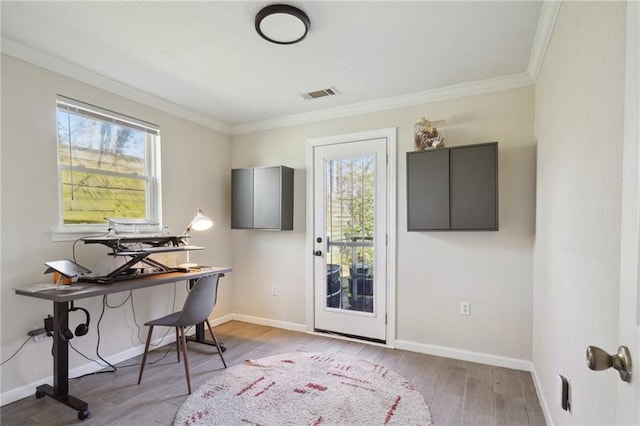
(82, 290)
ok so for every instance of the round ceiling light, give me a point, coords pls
(282, 24)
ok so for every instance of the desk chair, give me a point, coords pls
(197, 308)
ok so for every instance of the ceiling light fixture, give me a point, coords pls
(282, 24)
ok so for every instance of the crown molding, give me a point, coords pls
(77, 72)
(444, 93)
(39, 58)
(546, 24)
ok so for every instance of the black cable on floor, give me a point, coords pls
(85, 356)
(92, 360)
(150, 363)
(104, 305)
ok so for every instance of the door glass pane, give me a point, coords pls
(349, 215)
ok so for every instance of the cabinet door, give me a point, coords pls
(428, 190)
(474, 187)
(266, 198)
(286, 208)
(242, 198)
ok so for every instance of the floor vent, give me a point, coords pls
(331, 91)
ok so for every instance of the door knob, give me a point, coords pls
(318, 252)
(599, 359)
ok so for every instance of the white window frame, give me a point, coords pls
(68, 232)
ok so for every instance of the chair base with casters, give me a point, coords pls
(197, 308)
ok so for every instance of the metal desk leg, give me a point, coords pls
(60, 389)
(199, 337)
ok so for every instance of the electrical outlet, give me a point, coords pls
(274, 290)
(465, 308)
(39, 334)
(40, 337)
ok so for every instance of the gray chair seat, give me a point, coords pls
(170, 320)
(197, 308)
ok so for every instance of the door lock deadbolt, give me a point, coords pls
(318, 252)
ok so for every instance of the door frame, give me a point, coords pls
(390, 135)
(627, 399)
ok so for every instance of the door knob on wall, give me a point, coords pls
(599, 359)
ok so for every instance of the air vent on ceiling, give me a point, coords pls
(331, 91)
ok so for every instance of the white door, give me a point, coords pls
(351, 204)
(628, 398)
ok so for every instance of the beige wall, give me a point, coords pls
(579, 114)
(195, 172)
(436, 271)
(566, 284)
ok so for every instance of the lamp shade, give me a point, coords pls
(200, 222)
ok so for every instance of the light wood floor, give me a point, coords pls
(457, 392)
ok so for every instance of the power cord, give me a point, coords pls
(104, 304)
(16, 352)
(73, 247)
(135, 321)
(133, 309)
(120, 366)
(151, 363)
(130, 296)
(87, 358)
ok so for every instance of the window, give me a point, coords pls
(108, 167)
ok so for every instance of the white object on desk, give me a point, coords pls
(37, 287)
(49, 286)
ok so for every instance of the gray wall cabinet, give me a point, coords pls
(453, 189)
(262, 198)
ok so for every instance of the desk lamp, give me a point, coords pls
(200, 222)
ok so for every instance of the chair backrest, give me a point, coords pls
(200, 301)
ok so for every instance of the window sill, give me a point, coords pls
(72, 234)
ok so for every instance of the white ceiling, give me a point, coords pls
(207, 59)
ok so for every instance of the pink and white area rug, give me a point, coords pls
(305, 389)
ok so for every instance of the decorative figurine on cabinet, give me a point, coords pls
(427, 134)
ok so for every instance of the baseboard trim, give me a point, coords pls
(221, 320)
(480, 358)
(270, 322)
(541, 398)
